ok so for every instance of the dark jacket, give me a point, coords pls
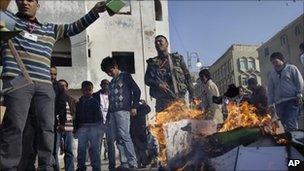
(87, 111)
(124, 93)
(60, 103)
(259, 100)
(138, 122)
(156, 75)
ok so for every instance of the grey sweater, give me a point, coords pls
(288, 84)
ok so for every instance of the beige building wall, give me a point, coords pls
(236, 66)
(287, 42)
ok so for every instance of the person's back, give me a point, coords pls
(139, 133)
(260, 100)
(138, 122)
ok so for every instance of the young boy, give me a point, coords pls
(124, 95)
(87, 125)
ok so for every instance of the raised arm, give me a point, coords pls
(68, 30)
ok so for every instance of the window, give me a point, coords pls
(243, 63)
(89, 53)
(158, 10)
(266, 51)
(297, 30)
(283, 40)
(243, 80)
(61, 55)
(251, 63)
(125, 61)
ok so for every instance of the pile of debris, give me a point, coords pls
(190, 143)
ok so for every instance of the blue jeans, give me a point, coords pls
(89, 134)
(120, 123)
(57, 139)
(68, 151)
(106, 130)
(288, 113)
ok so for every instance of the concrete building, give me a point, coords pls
(287, 42)
(127, 36)
(236, 66)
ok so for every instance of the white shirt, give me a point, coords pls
(104, 106)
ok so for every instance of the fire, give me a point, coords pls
(176, 111)
(243, 115)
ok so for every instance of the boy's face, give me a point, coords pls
(87, 91)
(113, 72)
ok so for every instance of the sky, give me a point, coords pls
(209, 28)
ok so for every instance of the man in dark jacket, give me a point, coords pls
(258, 97)
(60, 114)
(139, 133)
(87, 126)
(167, 75)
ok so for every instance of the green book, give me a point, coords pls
(113, 6)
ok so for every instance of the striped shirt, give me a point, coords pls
(69, 122)
(36, 55)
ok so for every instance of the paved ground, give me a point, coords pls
(104, 163)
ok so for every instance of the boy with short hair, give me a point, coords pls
(87, 125)
(124, 95)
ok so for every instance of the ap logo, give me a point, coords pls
(294, 162)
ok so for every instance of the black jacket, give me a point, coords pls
(138, 122)
(60, 103)
(87, 111)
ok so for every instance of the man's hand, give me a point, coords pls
(164, 87)
(100, 7)
(133, 112)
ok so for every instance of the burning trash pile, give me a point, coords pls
(188, 142)
(175, 112)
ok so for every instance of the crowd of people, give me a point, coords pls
(41, 114)
(282, 98)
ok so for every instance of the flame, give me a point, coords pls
(176, 111)
(243, 115)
